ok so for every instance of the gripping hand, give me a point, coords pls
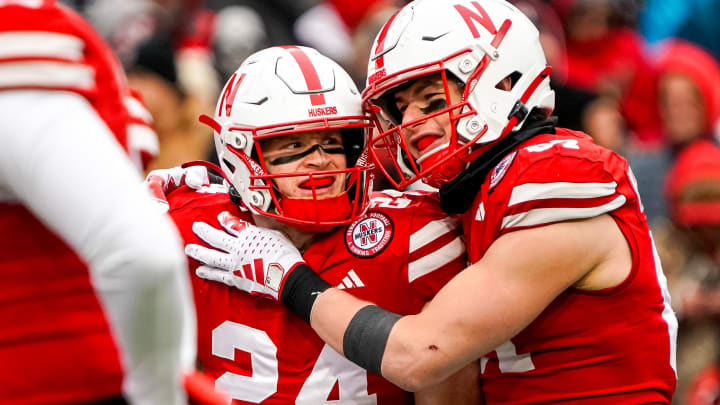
(250, 258)
(161, 182)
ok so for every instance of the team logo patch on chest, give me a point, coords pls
(368, 236)
(499, 171)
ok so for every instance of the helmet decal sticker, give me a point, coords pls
(228, 95)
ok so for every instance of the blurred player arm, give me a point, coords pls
(63, 163)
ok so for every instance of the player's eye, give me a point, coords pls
(333, 140)
(294, 145)
(402, 107)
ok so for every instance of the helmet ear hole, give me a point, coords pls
(509, 82)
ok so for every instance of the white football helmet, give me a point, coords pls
(477, 44)
(287, 90)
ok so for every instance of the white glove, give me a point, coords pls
(161, 182)
(252, 259)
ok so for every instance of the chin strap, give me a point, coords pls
(457, 195)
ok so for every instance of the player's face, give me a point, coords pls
(306, 152)
(425, 96)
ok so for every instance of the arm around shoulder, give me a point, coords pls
(483, 306)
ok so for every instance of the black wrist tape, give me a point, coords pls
(367, 335)
(301, 289)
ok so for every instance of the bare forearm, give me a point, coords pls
(331, 315)
(409, 359)
(418, 356)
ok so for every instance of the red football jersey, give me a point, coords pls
(48, 46)
(615, 345)
(51, 317)
(398, 256)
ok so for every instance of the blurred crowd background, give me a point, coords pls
(642, 77)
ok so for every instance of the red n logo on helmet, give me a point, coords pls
(471, 18)
(229, 95)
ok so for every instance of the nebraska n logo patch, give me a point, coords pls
(499, 171)
(368, 236)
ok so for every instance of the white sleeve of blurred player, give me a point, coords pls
(62, 162)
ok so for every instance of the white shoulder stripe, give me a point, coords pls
(137, 109)
(46, 74)
(668, 314)
(141, 137)
(436, 259)
(432, 231)
(392, 193)
(25, 3)
(547, 215)
(542, 191)
(40, 44)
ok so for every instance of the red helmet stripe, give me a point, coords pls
(380, 62)
(308, 70)
(228, 96)
(500, 35)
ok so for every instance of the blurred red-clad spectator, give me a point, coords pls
(693, 188)
(353, 12)
(705, 388)
(691, 259)
(689, 103)
(334, 26)
(689, 93)
(610, 59)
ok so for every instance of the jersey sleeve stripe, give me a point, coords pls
(431, 231)
(668, 314)
(143, 138)
(559, 203)
(137, 109)
(40, 44)
(47, 75)
(24, 3)
(541, 191)
(543, 216)
(435, 260)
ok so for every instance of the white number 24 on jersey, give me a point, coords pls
(329, 368)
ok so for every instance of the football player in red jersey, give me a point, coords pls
(95, 306)
(292, 142)
(565, 299)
